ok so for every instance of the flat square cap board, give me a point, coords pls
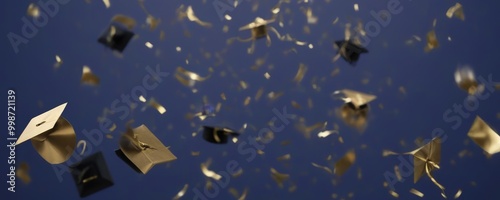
(484, 136)
(52, 136)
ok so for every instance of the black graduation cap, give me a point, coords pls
(218, 135)
(116, 37)
(124, 158)
(350, 51)
(91, 175)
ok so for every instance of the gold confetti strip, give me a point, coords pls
(274, 95)
(243, 85)
(59, 62)
(360, 175)
(279, 178)
(106, 3)
(22, 172)
(33, 11)
(208, 173)
(82, 143)
(311, 19)
(112, 128)
(125, 20)
(153, 103)
(456, 11)
(458, 194)
(181, 193)
(356, 7)
(88, 77)
(189, 13)
(259, 94)
(237, 173)
(244, 194)
(150, 20)
(416, 192)
(344, 163)
(432, 41)
(296, 105)
(326, 133)
(195, 153)
(109, 136)
(247, 101)
(300, 73)
(284, 157)
(394, 194)
(327, 169)
(398, 173)
(234, 192)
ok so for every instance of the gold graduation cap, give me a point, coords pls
(484, 136)
(218, 135)
(91, 175)
(144, 149)
(51, 135)
(119, 33)
(466, 80)
(350, 51)
(355, 110)
(425, 159)
(259, 28)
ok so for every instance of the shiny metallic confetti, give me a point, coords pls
(22, 173)
(456, 11)
(181, 193)
(82, 143)
(300, 73)
(33, 10)
(279, 178)
(208, 173)
(59, 62)
(327, 169)
(416, 192)
(432, 41)
(458, 194)
(342, 165)
(88, 77)
(466, 80)
(106, 3)
(188, 12)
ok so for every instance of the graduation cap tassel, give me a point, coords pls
(434, 180)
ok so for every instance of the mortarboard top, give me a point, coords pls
(425, 159)
(358, 99)
(218, 135)
(91, 175)
(258, 27)
(144, 149)
(350, 51)
(51, 135)
(484, 136)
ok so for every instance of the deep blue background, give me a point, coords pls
(427, 77)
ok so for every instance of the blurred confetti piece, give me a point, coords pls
(284, 157)
(458, 194)
(22, 172)
(344, 163)
(149, 45)
(244, 194)
(181, 193)
(153, 103)
(300, 73)
(456, 11)
(208, 173)
(88, 77)
(150, 20)
(82, 143)
(432, 41)
(125, 20)
(237, 173)
(59, 62)
(416, 192)
(356, 7)
(106, 3)
(323, 168)
(33, 10)
(394, 194)
(466, 80)
(311, 19)
(279, 178)
(326, 133)
(398, 173)
(189, 13)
